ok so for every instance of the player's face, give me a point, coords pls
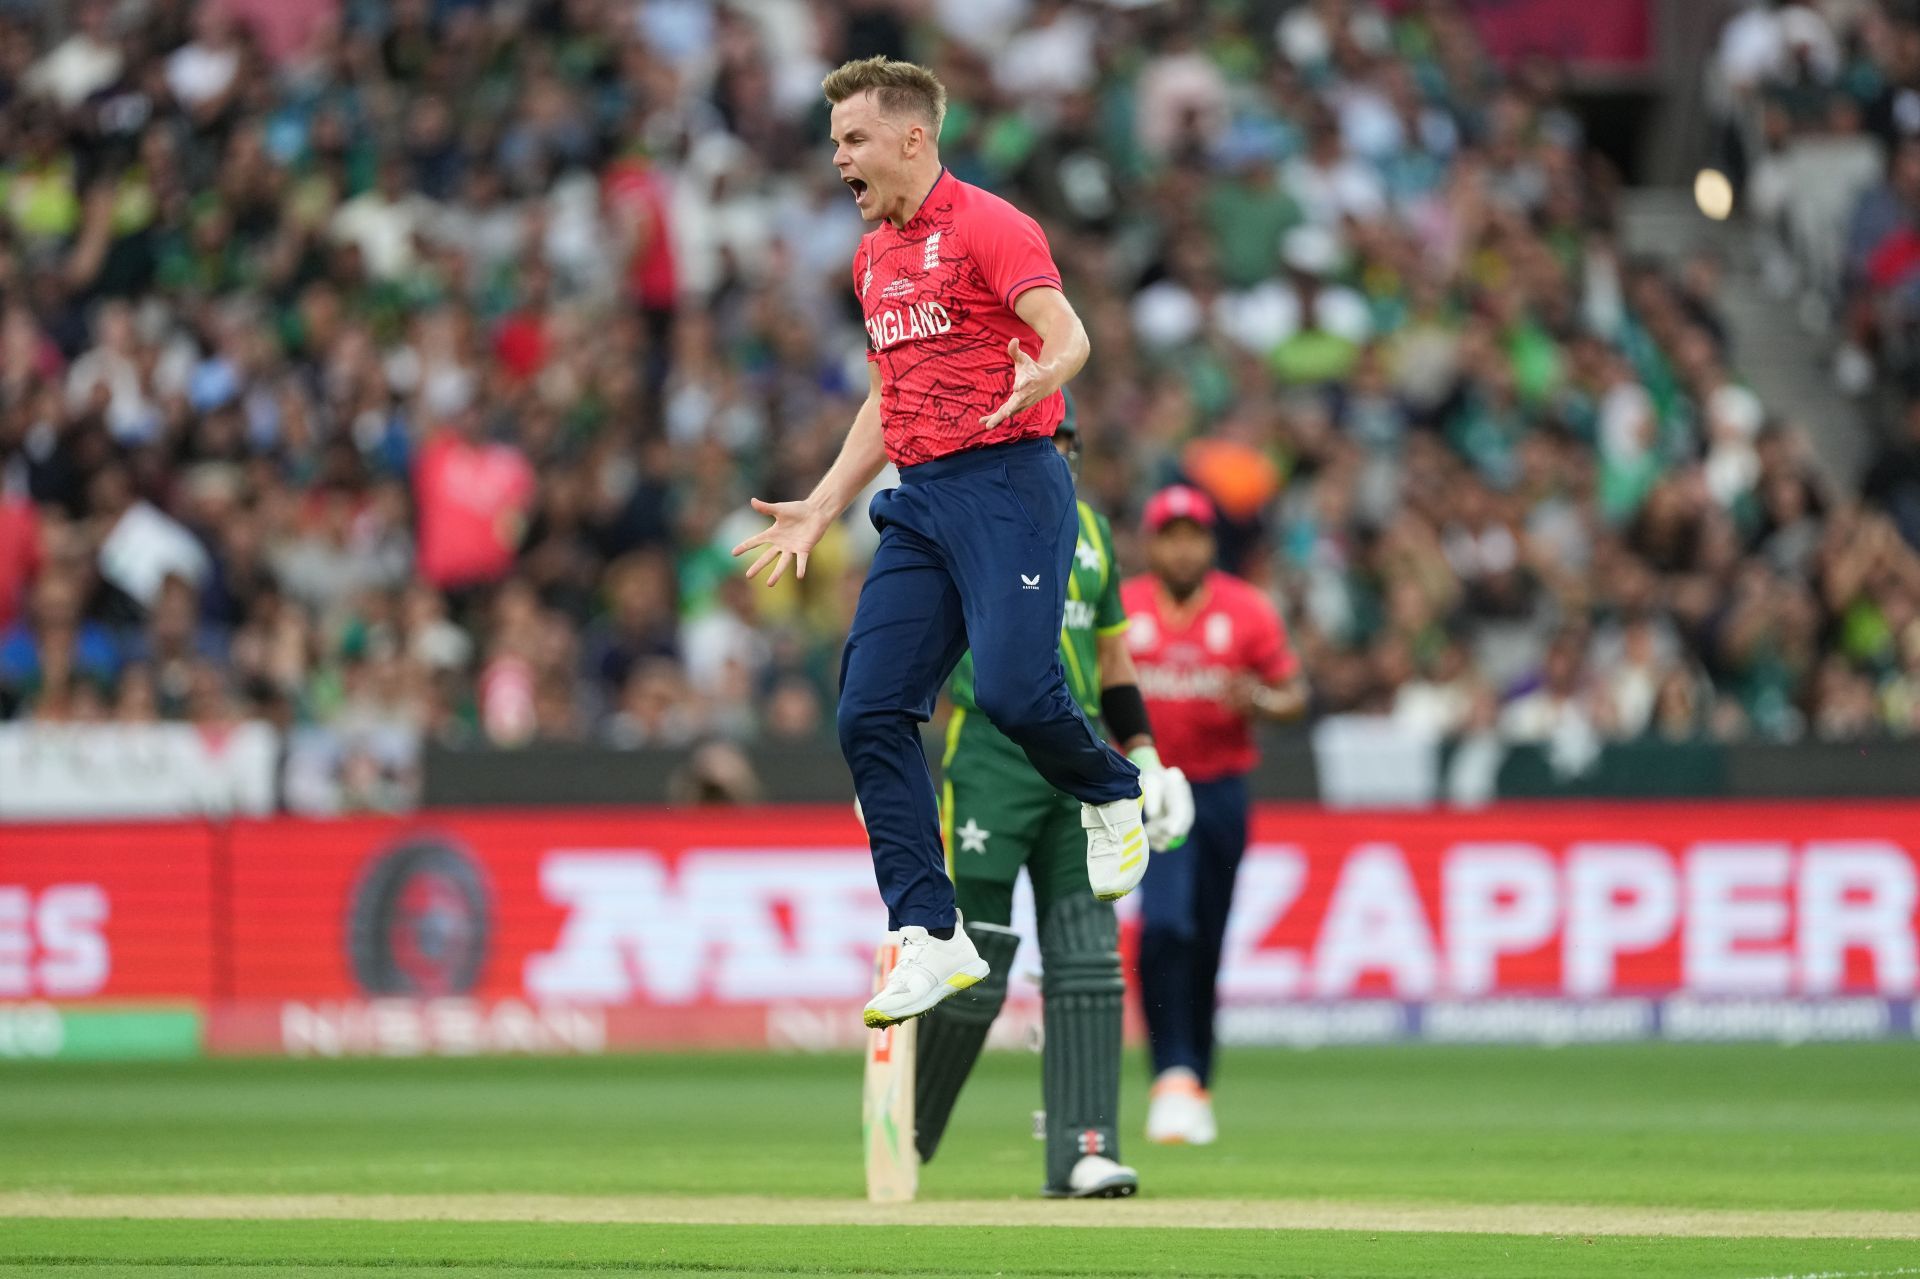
(871, 153)
(1180, 555)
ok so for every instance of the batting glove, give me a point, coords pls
(1166, 807)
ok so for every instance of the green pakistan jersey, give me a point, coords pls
(1093, 610)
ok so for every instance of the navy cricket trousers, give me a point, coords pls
(974, 551)
(1184, 904)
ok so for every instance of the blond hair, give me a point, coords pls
(896, 87)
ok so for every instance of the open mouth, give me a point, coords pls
(859, 189)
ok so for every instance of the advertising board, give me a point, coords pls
(589, 931)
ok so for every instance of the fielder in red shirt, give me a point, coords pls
(970, 341)
(1213, 658)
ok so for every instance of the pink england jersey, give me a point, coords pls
(938, 298)
(1186, 668)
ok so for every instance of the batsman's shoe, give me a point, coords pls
(1180, 1112)
(1097, 1177)
(1116, 847)
(928, 971)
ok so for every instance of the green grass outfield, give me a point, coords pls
(1768, 1145)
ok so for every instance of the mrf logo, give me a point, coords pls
(711, 924)
(419, 921)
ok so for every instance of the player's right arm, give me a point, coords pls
(798, 526)
(1274, 687)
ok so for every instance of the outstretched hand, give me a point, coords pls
(1031, 384)
(796, 528)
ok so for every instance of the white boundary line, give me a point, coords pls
(1274, 1214)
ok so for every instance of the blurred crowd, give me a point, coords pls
(406, 366)
(1817, 109)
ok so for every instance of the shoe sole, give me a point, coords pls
(877, 1020)
(1113, 1188)
(1115, 894)
(1130, 857)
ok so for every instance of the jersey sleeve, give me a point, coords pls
(1011, 252)
(1109, 614)
(1269, 653)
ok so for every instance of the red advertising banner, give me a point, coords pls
(581, 931)
(106, 912)
(1581, 901)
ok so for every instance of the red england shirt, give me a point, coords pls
(1187, 665)
(473, 500)
(938, 298)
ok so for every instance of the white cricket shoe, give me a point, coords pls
(1116, 847)
(1097, 1177)
(928, 971)
(1180, 1112)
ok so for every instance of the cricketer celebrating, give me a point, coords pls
(958, 288)
(1213, 657)
(1000, 815)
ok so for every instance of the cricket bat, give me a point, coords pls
(886, 1113)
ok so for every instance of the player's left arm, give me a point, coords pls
(1284, 700)
(1166, 798)
(1063, 346)
(1117, 672)
(1121, 706)
(1276, 688)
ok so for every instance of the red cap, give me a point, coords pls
(1178, 502)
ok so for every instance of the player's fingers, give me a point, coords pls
(756, 540)
(779, 568)
(998, 416)
(766, 557)
(1013, 350)
(800, 564)
(765, 508)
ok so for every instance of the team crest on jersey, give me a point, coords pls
(1219, 633)
(930, 255)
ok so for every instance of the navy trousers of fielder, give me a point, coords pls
(1185, 900)
(974, 552)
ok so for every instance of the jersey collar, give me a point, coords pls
(921, 210)
(1179, 616)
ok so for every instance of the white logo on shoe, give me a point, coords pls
(1029, 583)
(973, 837)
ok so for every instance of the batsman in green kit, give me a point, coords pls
(998, 816)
